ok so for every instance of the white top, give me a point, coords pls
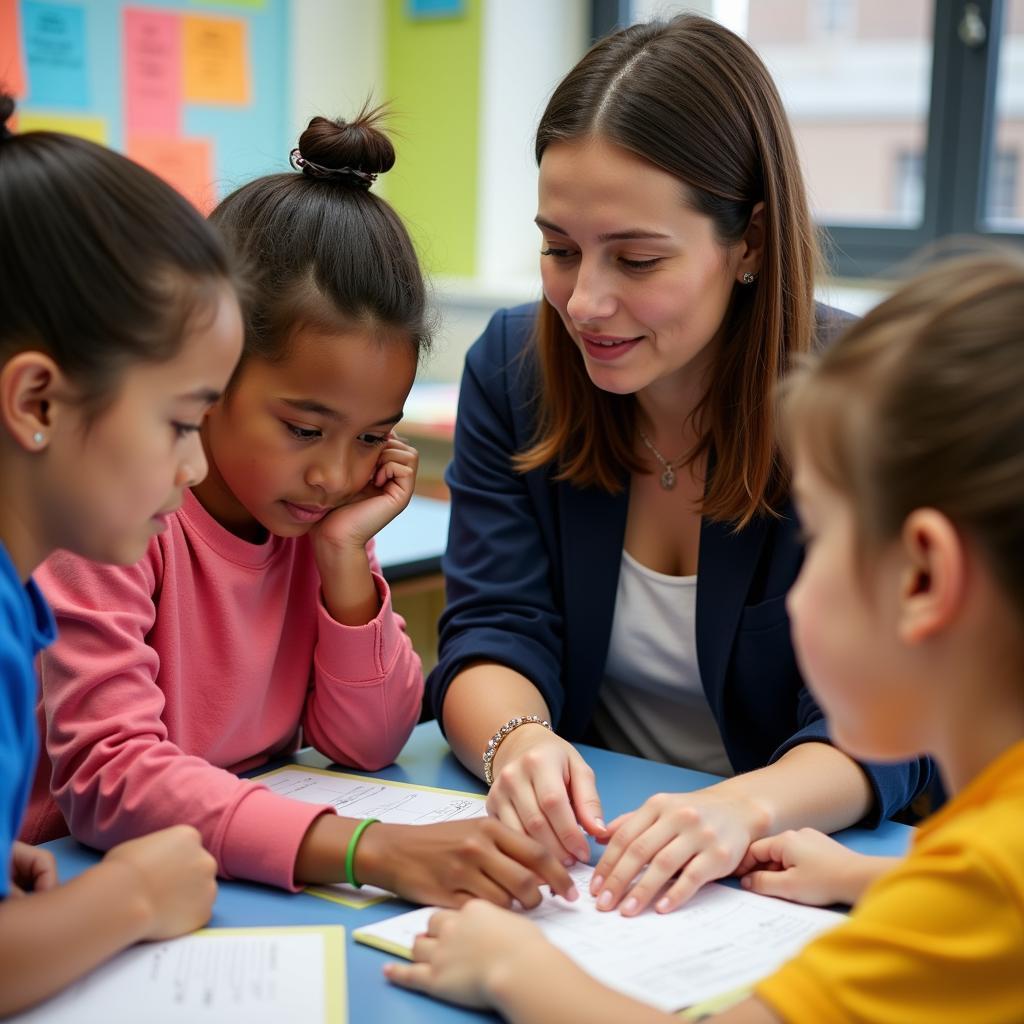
(652, 703)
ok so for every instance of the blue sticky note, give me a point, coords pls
(55, 55)
(420, 9)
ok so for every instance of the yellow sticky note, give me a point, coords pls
(216, 59)
(92, 128)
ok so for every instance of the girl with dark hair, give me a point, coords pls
(622, 537)
(119, 325)
(262, 610)
(908, 617)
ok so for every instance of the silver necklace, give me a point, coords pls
(668, 468)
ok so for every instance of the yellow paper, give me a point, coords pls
(335, 969)
(92, 128)
(216, 59)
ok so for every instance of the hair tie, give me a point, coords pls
(354, 176)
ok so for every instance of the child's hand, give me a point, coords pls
(175, 876)
(807, 866)
(386, 494)
(461, 950)
(449, 863)
(32, 869)
(700, 836)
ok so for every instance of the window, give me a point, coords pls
(908, 115)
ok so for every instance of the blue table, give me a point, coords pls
(624, 782)
(412, 544)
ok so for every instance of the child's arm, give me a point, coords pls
(442, 864)
(806, 866)
(368, 679)
(156, 887)
(488, 958)
(368, 684)
(117, 773)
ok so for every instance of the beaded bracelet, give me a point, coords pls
(495, 741)
(350, 853)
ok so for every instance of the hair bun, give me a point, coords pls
(6, 110)
(359, 144)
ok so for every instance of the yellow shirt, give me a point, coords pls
(941, 937)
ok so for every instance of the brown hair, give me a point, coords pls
(695, 100)
(102, 264)
(921, 405)
(322, 249)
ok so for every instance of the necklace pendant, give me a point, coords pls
(668, 478)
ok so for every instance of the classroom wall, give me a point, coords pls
(431, 77)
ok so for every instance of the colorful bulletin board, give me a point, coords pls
(197, 91)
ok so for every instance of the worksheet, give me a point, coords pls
(355, 796)
(723, 939)
(222, 975)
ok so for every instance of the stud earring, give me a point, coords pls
(748, 277)
(38, 437)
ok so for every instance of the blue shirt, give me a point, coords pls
(26, 627)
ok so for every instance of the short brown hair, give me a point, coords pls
(921, 405)
(695, 100)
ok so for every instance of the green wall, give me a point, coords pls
(433, 83)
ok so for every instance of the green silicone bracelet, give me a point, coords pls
(350, 853)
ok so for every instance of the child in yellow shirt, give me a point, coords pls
(907, 447)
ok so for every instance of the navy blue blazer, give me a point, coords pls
(532, 569)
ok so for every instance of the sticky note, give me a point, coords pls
(12, 61)
(216, 60)
(55, 55)
(152, 73)
(187, 164)
(256, 5)
(92, 128)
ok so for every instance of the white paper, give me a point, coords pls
(356, 797)
(263, 978)
(390, 802)
(722, 939)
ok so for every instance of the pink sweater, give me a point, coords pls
(200, 661)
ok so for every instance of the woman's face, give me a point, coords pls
(638, 277)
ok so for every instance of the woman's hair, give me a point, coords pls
(695, 100)
(322, 250)
(921, 405)
(102, 264)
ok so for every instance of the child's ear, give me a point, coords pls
(934, 575)
(30, 388)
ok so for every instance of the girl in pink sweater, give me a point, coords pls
(261, 611)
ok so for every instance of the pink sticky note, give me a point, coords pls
(152, 74)
(187, 164)
(12, 63)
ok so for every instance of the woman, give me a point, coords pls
(622, 536)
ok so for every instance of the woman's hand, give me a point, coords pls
(450, 863)
(32, 869)
(460, 951)
(544, 788)
(363, 516)
(807, 866)
(700, 836)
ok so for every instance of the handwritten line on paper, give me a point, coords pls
(724, 938)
